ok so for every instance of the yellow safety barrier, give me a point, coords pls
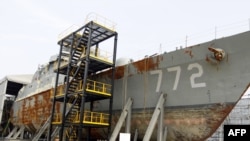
(96, 118)
(101, 20)
(96, 87)
(57, 118)
(89, 118)
(59, 91)
(99, 54)
(91, 86)
(68, 31)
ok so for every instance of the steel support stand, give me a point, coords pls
(126, 113)
(14, 130)
(165, 133)
(19, 133)
(136, 135)
(128, 119)
(158, 114)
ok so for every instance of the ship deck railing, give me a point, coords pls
(101, 20)
(102, 55)
(68, 31)
(96, 87)
(96, 18)
(93, 87)
(91, 118)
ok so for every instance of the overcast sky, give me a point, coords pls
(29, 28)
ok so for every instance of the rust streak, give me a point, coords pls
(119, 73)
(147, 64)
(141, 66)
(189, 52)
(34, 110)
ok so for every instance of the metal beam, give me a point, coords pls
(165, 133)
(12, 132)
(126, 111)
(42, 130)
(159, 111)
(19, 133)
(136, 135)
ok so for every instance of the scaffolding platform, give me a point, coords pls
(80, 57)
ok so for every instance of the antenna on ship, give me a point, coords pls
(215, 32)
(186, 41)
(249, 23)
(160, 49)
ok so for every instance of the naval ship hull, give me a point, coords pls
(202, 83)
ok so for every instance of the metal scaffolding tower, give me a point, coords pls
(80, 58)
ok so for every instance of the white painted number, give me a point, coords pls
(177, 76)
(158, 85)
(196, 75)
(193, 78)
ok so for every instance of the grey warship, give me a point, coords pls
(202, 83)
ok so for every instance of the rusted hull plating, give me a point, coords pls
(187, 123)
(193, 123)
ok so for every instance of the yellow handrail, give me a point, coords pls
(89, 118)
(95, 118)
(68, 31)
(96, 87)
(91, 86)
(100, 20)
(101, 54)
(57, 118)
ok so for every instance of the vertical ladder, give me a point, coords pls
(158, 114)
(125, 113)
